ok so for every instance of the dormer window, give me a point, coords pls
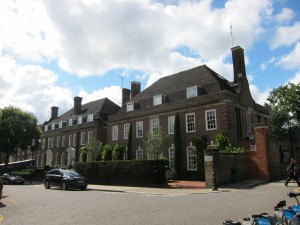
(90, 118)
(52, 126)
(192, 92)
(130, 106)
(80, 120)
(157, 100)
(70, 122)
(46, 128)
(60, 124)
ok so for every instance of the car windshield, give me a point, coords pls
(71, 173)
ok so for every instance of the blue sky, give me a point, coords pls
(52, 52)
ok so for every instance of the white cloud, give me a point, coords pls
(295, 79)
(291, 61)
(286, 36)
(259, 97)
(285, 16)
(264, 65)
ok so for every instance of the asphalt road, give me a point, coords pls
(34, 205)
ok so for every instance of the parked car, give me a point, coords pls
(65, 179)
(170, 174)
(12, 179)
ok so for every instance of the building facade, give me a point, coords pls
(206, 102)
(64, 135)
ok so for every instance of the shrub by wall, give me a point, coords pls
(130, 172)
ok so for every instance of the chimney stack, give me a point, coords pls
(135, 88)
(238, 61)
(77, 105)
(54, 112)
(125, 95)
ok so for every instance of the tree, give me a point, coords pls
(223, 144)
(129, 144)
(200, 144)
(18, 129)
(118, 152)
(93, 149)
(107, 152)
(177, 145)
(155, 143)
(284, 108)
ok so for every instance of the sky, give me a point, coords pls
(54, 50)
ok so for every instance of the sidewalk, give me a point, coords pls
(177, 188)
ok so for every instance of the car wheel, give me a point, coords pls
(46, 184)
(64, 186)
(83, 188)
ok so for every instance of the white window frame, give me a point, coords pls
(90, 136)
(63, 141)
(139, 129)
(172, 157)
(130, 106)
(211, 119)
(192, 92)
(58, 141)
(82, 138)
(52, 142)
(46, 127)
(90, 118)
(139, 154)
(74, 139)
(70, 122)
(70, 139)
(126, 130)
(154, 124)
(49, 143)
(171, 124)
(191, 158)
(190, 125)
(60, 124)
(115, 132)
(157, 100)
(53, 126)
(79, 120)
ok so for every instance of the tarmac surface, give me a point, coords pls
(178, 188)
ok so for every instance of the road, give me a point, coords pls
(34, 205)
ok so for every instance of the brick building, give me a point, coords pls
(206, 103)
(64, 135)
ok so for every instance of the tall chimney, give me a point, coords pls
(135, 88)
(125, 95)
(77, 105)
(238, 61)
(54, 112)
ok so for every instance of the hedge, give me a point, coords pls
(129, 172)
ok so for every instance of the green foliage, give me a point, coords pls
(129, 144)
(124, 172)
(177, 145)
(118, 152)
(284, 108)
(155, 143)
(93, 148)
(107, 152)
(223, 144)
(17, 129)
(200, 144)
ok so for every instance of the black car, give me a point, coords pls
(12, 179)
(65, 179)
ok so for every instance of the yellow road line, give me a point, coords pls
(297, 190)
(1, 218)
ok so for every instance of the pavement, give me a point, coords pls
(178, 188)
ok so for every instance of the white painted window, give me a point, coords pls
(52, 126)
(79, 120)
(90, 136)
(130, 106)
(192, 92)
(139, 154)
(70, 139)
(48, 143)
(63, 141)
(82, 138)
(60, 124)
(52, 142)
(90, 118)
(157, 100)
(154, 124)
(191, 158)
(46, 128)
(115, 132)
(211, 119)
(171, 121)
(70, 122)
(190, 122)
(74, 139)
(139, 129)
(172, 158)
(126, 130)
(58, 141)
